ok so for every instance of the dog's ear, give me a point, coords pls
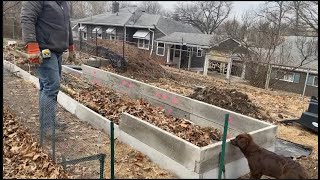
(243, 142)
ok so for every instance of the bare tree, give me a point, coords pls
(10, 6)
(166, 13)
(152, 7)
(82, 9)
(124, 4)
(308, 12)
(277, 13)
(79, 9)
(98, 7)
(11, 19)
(204, 15)
(307, 49)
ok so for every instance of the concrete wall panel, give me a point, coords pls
(172, 146)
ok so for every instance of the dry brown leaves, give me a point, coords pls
(132, 164)
(111, 105)
(22, 156)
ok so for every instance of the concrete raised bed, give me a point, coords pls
(204, 161)
(169, 151)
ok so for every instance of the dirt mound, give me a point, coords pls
(140, 65)
(229, 99)
(22, 156)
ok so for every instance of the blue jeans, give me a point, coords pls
(49, 73)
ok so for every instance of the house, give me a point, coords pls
(185, 50)
(174, 41)
(199, 52)
(130, 24)
(204, 53)
(287, 71)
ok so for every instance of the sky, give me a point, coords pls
(238, 6)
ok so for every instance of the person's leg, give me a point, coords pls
(49, 87)
(58, 123)
(60, 64)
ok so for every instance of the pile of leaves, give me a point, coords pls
(111, 105)
(230, 99)
(140, 65)
(22, 156)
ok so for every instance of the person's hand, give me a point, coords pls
(34, 54)
(72, 54)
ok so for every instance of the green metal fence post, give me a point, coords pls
(112, 150)
(224, 137)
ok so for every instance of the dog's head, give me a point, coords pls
(242, 141)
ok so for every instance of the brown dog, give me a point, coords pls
(264, 162)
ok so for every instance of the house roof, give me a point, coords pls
(196, 39)
(168, 26)
(289, 52)
(109, 18)
(125, 16)
(147, 20)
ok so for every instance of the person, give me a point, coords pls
(46, 26)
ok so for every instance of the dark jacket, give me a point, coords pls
(48, 23)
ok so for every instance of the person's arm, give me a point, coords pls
(30, 11)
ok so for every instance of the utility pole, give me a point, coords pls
(305, 83)
(124, 39)
(266, 86)
(229, 67)
(180, 54)
(96, 42)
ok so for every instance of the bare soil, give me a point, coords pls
(229, 99)
(140, 64)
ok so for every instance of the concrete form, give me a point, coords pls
(204, 161)
(169, 151)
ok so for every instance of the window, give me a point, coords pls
(111, 31)
(199, 52)
(143, 44)
(177, 53)
(160, 49)
(84, 35)
(288, 76)
(312, 80)
(112, 37)
(140, 43)
(189, 51)
(146, 44)
(177, 50)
